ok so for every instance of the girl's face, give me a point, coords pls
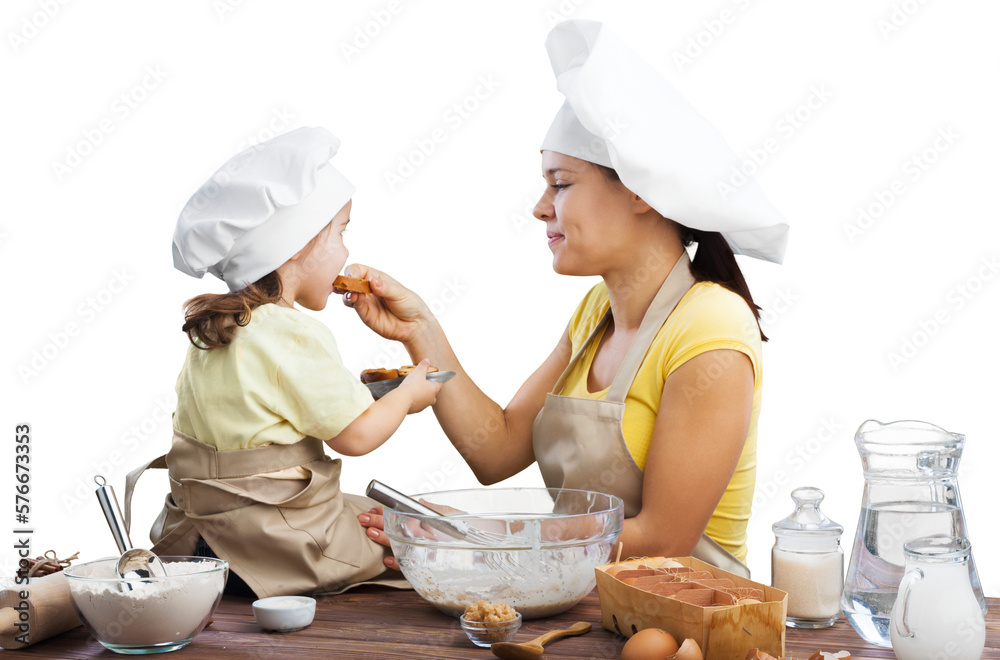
(310, 283)
(588, 219)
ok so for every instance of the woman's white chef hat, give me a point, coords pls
(261, 207)
(622, 113)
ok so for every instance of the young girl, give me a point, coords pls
(263, 386)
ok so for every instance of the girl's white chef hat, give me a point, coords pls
(622, 113)
(261, 207)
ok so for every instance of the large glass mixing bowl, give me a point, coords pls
(533, 548)
(147, 615)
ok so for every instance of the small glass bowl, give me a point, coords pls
(486, 633)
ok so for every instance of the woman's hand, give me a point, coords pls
(373, 523)
(391, 310)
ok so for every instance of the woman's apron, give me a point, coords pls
(282, 536)
(579, 443)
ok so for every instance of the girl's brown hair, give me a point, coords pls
(211, 319)
(713, 261)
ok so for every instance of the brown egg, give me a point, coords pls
(649, 644)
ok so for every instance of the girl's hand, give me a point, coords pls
(422, 392)
(391, 310)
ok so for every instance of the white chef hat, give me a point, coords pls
(261, 207)
(622, 113)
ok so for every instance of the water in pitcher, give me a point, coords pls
(877, 560)
(911, 491)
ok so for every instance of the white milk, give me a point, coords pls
(943, 614)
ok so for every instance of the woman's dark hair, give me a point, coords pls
(211, 319)
(713, 261)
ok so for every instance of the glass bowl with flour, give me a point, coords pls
(147, 615)
(533, 548)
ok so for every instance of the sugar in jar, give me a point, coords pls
(807, 562)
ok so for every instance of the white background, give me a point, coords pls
(93, 184)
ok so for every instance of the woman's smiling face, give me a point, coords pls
(588, 218)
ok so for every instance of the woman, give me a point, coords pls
(659, 371)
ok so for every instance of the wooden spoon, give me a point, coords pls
(533, 649)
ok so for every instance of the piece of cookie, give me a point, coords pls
(375, 375)
(407, 369)
(343, 284)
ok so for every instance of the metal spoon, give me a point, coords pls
(134, 563)
(533, 649)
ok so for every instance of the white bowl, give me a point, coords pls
(284, 613)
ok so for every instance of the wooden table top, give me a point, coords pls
(376, 622)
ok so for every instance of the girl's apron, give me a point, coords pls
(282, 536)
(579, 443)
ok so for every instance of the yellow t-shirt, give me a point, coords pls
(708, 317)
(280, 380)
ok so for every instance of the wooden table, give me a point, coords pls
(374, 622)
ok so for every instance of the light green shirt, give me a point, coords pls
(280, 380)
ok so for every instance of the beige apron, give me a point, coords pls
(282, 536)
(579, 443)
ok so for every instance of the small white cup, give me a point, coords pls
(284, 613)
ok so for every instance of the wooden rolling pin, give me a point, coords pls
(47, 611)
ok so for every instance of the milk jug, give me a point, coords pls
(911, 491)
(936, 614)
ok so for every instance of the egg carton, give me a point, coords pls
(725, 613)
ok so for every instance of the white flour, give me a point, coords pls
(537, 583)
(153, 613)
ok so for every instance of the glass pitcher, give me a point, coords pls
(911, 490)
(936, 614)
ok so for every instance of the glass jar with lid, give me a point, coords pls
(807, 562)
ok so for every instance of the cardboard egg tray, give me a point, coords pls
(725, 613)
